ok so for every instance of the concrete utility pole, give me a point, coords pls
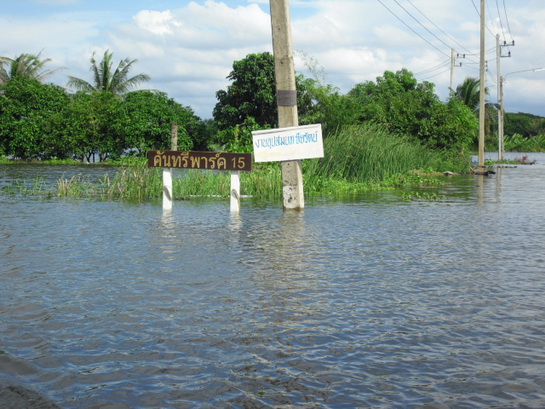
(452, 62)
(167, 172)
(453, 56)
(500, 99)
(482, 79)
(286, 95)
(501, 111)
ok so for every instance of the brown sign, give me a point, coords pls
(200, 160)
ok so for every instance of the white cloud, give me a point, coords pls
(156, 22)
(188, 48)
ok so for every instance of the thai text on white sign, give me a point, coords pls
(293, 143)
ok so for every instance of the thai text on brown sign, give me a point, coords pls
(200, 160)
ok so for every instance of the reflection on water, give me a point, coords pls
(378, 303)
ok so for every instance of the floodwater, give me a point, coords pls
(371, 303)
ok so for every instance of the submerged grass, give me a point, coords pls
(36, 187)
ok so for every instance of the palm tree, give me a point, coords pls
(106, 79)
(26, 65)
(469, 92)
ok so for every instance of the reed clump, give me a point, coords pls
(76, 187)
(368, 154)
(133, 184)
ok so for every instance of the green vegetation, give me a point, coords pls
(526, 125)
(357, 159)
(106, 79)
(369, 153)
(518, 143)
(406, 107)
(102, 121)
(382, 133)
(24, 66)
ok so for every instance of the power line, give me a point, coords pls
(507, 20)
(437, 27)
(435, 67)
(436, 75)
(410, 28)
(424, 27)
(501, 23)
(479, 14)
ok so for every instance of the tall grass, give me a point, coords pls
(369, 154)
(133, 184)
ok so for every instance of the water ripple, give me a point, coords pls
(373, 304)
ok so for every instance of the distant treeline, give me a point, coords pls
(526, 125)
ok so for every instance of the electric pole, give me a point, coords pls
(501, 112)
(482, 91)
(500, 98)
(286, 96)
(453, 64)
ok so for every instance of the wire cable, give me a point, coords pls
(410, 28)
(507, 21)
(501, 23)
(437, 27)
(424, 27)
(479, 14)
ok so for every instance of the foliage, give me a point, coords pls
(250, 100)
(469, 92)
(251, 94)
(452, 127)
(106, 79)
(238, 138)
(518, 143)
(148, 121)
(369, 153)
(39, 121)
(328, 107)
(24, 66)
(26, 107)
(406, 107)
(92, 125)
(527, 125)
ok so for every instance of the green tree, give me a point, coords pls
(149, 121)
(251, 97)
(251, 94)
(327, 106)
(26, 112)
(24, 66)
(105, 78)
(249, 103)
(469, 92)
(406, 107)
(91, 126)
(527, 125)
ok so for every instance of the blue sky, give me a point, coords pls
(188, 47)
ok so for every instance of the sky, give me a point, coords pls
(188, 47)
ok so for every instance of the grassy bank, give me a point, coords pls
(357, 159)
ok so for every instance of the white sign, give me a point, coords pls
(294, 143)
